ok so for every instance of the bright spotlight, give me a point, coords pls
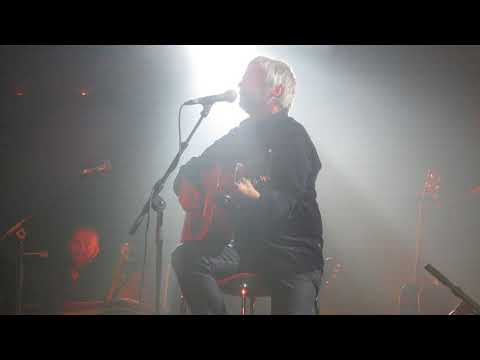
(218, 68)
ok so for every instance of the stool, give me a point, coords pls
(245, 285)
(250, 286)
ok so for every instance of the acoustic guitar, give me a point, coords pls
(410, 296)
(207, 209)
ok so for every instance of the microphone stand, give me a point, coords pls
(158, 204)
(21, 235)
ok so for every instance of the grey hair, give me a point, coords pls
(279, 73)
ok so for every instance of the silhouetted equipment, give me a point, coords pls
(467, 301)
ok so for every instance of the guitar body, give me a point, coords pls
(125, 285)
(409, 299)
(206, 217)
(203, 216)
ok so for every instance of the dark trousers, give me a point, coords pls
(198, 265)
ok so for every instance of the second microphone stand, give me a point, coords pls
(158, 204)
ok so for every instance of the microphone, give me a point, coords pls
(104, 167)
(228, 96)
(16, 227)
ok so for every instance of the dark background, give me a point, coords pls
(380, 116)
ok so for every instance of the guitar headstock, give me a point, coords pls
(124, 251)
(431, 186)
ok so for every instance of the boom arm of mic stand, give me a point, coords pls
(138, 221)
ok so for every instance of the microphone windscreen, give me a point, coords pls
(230, 95)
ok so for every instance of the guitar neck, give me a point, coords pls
(419, 244)
(117, 274)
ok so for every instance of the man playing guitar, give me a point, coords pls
(250, 202)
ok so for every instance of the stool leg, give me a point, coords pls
(244, 294)
(252, 305)
(317, 310)
(183, 305)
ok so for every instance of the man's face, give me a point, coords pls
(253, 92)
(84, 247)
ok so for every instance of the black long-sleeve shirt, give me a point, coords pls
(282, 230)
